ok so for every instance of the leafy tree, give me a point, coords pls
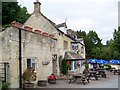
(81, 34)
(23, 15)
(116, 43)
(10, 10)
(13, 12)
(92, 41)
(95, 49)
(116, 37)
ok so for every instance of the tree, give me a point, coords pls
(81, 34)
(13, 12)
(92, 41)
(9, 12)
(23, 15)
(116, 43)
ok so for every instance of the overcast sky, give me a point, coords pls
(98, 15)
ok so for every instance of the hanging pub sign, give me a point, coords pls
(54, 56)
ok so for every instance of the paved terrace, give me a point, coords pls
(110, 82)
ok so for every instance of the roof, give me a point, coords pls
(57, 27)
(72, 56)
(78, 42)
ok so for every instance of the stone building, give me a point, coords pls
(37, 51)
(39, 44)
(41, 22)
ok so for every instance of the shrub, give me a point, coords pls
(86, 66)
(64, 67)
(29, 75)
(5, 86)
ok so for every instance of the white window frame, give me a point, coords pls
(33, 60)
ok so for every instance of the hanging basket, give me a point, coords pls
(78, 64)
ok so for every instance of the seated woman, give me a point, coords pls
(52, 79)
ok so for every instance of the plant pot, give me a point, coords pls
(42, 83)
(28, 85)
(52, 81)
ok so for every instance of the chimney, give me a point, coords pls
(37, 7)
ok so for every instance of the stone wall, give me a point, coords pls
(33, 46)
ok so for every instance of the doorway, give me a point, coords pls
(54, 63)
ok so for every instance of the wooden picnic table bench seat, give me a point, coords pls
(80, 78)
(117, 71)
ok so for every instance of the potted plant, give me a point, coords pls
(29, 76)
(52, 79)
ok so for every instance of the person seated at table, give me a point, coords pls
(86, 71)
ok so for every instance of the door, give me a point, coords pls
(54, 64)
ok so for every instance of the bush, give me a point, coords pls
(86, 66)
(64, 67)
(5, 86)
(29, 75)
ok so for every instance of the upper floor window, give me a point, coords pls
(65, 45)
(82, 49)
(74, 46)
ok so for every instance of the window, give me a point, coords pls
(31, 63)
(75, 64)
(82, 49)
(65, 45)
(74, 46)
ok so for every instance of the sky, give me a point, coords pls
(98, 15)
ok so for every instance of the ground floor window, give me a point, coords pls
(75, 65)
(31, 63)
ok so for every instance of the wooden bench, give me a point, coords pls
(80, 78)
(101, 73)
(93, 74)
(117, 71)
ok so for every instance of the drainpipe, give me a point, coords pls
(20, 59)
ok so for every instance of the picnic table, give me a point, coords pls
(117, 71)
(112, 69)
(101, 73)
(80, 78)
(93, 74)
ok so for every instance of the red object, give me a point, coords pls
(45, 34)
(52, 77)
(28, 28)
(78, 63)
(68, 62)
(37, 31)
(16, 24)
(51, 36)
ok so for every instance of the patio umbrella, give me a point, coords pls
(113, 61)
(102, 62)
(92, 61)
